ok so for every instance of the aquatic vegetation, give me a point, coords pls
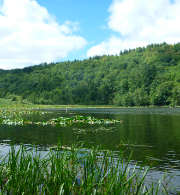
(81, 119)
(101, 128)
(16, 122)
(18, 112)
(129, 144)
(76, 171)
(63, 121)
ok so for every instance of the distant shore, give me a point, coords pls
(6, 103)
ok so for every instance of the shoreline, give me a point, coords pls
(16, 105)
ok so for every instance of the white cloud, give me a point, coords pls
(140, 23)
(112, 46)
(30, 35)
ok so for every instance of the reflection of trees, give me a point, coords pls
(142, 127)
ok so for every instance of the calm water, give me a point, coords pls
(153, 132)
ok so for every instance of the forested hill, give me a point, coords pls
(138, 77)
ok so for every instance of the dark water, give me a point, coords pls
(153, 132)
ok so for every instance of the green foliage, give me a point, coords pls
(137, 77)
(163, 93)
(77, 171)
(177, 47)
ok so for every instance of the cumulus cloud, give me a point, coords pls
(30, 35)
(140, 23)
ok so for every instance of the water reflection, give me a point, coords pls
(150, 132)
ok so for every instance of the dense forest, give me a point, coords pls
(138, 77)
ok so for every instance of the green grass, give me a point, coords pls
(9, 104)
(23, 104)
(74, 171)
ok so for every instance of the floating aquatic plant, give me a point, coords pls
(16, 122)
(101, 128)
(62, 121)
(17, 113)
(79, 119)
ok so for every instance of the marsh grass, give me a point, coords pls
(9, 104)
(73, 171)
(6, 102)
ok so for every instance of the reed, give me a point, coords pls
(73, 171)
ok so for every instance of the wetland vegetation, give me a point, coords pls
(77, 171)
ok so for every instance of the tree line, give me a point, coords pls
(136, 77)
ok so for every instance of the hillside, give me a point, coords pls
(138, 77)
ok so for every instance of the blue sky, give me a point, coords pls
(35, 31)
(92, 16)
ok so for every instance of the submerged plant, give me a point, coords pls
(76, 171)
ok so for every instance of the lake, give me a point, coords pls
(148, 132)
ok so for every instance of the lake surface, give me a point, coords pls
(153, 132)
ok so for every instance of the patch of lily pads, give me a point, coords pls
(16, 113)
(15, 121)
(63, 121)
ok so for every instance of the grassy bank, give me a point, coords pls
(10, 104)
(72, 171)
